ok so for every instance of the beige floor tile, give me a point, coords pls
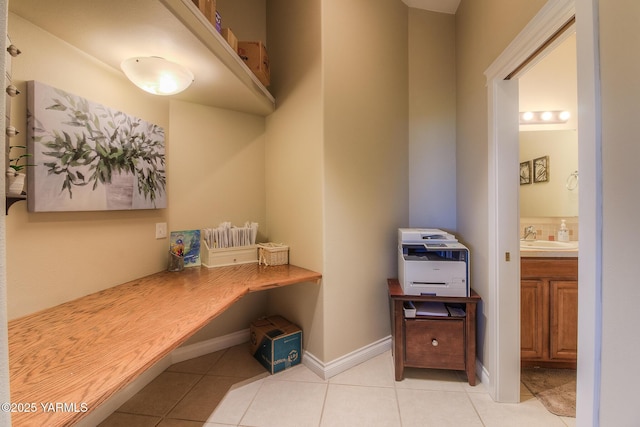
(421, 408)
(235, 403)
(197, 365)
(365, 395)
(168, 422)
(203, 398)
(530, 413)
(431, 379)
(296, 373)
(160, 395)
(357, 406)
(376, 372)
(119, 419)
(237, 362)
(286, 404)
(478, 388)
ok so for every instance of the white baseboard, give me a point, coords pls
(341, 364)
(180, 354)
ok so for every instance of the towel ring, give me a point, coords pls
(572, 181)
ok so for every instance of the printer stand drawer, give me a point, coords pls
(434, 343)
(413, 337)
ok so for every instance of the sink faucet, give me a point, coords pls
(528, 231)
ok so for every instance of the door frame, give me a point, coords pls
(503, 237)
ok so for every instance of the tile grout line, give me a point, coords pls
(468, 394)
(324, 401)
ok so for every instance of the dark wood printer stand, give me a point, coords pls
(439, 342)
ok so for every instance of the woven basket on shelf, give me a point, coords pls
(273, 254)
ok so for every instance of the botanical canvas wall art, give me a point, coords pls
(90, 157)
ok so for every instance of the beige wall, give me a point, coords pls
(55, 257)
(246, 18)
(294, 158)
(620, 69)
(215, 171)
(337, 154)
(366, 161)
(483, 31)
(432, 120)
(551, 198)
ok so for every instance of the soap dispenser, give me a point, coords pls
(563, 233)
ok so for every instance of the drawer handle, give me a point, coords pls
(434, 342)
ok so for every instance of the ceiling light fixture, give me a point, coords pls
(157, 75)
(544, 117)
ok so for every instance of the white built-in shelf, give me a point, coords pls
(114, 30)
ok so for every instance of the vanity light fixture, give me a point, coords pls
(157, 75)
(544, 117)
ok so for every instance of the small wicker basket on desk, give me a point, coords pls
(273, 254)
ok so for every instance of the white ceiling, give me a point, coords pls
(444, 6)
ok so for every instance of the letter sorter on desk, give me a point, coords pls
(432, 262)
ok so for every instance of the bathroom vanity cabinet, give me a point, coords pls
(549, 312)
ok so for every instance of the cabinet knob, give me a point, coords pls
(434, 342)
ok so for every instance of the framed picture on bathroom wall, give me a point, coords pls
(541, 169)
(525, 172)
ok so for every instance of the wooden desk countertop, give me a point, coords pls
(82, 352)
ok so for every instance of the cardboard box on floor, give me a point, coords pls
(276, 343)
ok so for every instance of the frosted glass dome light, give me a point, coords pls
(157, 75)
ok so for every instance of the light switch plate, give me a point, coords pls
(161, 230)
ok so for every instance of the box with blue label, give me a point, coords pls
(276, 343)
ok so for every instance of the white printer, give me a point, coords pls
(432, 262)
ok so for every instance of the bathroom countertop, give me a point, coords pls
(535, 253)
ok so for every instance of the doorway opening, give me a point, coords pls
(549, 223)
(503, 224)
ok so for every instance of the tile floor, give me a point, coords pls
(230, 388)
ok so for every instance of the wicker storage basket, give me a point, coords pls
(273, 254)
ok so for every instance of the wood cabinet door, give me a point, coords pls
(534, 319)
(563, 301)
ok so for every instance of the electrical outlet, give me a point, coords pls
(161, 230)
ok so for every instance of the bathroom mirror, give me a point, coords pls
(558, 196)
